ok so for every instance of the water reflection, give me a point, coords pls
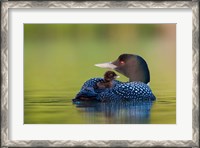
(115, 112)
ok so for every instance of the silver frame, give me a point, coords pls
(98, 4)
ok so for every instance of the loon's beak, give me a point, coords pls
(106, 65)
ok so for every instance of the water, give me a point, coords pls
(58, 109)
(58, 59)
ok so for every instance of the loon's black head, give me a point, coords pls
(132, 66)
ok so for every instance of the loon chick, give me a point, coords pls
(132, 66)
(109, 76)
(107, 82)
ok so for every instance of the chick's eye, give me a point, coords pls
(122, 62)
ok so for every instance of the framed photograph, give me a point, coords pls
(99, 73)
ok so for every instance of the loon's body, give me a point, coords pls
(132, 66)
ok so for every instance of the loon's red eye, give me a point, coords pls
(122, 62)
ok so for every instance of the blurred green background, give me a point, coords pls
(59, 58)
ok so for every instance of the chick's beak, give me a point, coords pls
(117, 77)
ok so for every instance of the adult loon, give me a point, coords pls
(132, 66)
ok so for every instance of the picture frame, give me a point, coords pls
(6, 5)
